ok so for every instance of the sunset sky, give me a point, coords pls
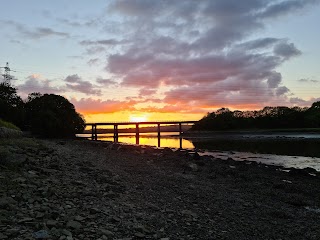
(164, 59)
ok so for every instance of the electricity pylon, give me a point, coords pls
(6, 76)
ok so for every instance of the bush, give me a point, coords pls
(51, 115)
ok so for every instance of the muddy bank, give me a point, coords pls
(99, 190)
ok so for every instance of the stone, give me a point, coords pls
(74, 224)
(139, 235)
(106, 232)
(193, 167)
(66, 232)
(6, 202)
(41, 234)
(189, 213)
(79, 218)
(52, 223)
(25, 220)
(3, 236)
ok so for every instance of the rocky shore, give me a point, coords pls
(78, 189)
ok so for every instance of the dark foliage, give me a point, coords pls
(11, 105)
(52, 116)
(267, 118)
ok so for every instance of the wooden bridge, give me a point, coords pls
(94, 132)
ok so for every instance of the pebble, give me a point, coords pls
(3, 236)
(74, 224)
(106, 232)
(42, 234)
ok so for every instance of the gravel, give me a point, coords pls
(82, 189)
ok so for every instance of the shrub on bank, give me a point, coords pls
(51, 115)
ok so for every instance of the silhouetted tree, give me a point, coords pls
(268, 117)
(11, 105)
(52, 115)
(312, 118)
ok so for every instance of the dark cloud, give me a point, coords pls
(280, 8)
(282, 90)
(75, 83)
(105, 82)
(45, 32)
(274, 79)
(102, 42)
(286, 50)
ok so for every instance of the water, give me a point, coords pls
(283, 149)
(168, 139)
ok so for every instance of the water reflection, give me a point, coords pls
(289, 152)
(168, 139)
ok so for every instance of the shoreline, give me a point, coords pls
(102, 190)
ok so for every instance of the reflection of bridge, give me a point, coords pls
(94, 132)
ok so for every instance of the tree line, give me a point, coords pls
(267, 118)
(47, 115)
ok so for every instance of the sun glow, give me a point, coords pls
(138, 118)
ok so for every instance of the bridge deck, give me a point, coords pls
(140, 123)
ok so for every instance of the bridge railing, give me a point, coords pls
(94, 132)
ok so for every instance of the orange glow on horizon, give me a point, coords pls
(127, 116)
(138, 118)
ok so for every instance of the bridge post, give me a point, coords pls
(115, 133)
(159, 135)
(92, 132)
(95, 132)
(137, 133)
(180, 128)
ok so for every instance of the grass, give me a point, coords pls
(8, 125)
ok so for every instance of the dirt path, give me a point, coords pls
(91, 190)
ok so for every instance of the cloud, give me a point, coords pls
(282, 90)
(94, 50)
(94, 106)
(44, 32)
(301, 102)
(274, 79)
(105, 82)
(280, 8)
(286, 50)
(102, 42)
(36, 83)
(35, 33)
(146, 92)
(204, 53)
(75, 83)
(71, 23)
(307, 80)
(93, 61)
